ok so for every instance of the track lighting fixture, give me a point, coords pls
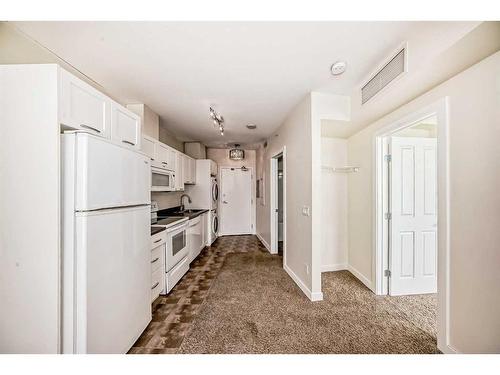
(218, 120)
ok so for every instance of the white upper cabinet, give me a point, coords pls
(179, 171)
(189, 170)
(125, 126)
(82, 106)
(165, 156)
(148, 146)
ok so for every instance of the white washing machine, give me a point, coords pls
(215, 193)
(213, 226)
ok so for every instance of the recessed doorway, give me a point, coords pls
(236, 202)
(278, 204)
(411, 213)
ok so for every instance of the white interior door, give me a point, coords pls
(413, 227)
(236, 201)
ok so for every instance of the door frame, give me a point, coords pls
(252, 195)
(274, 202)
(380, 193)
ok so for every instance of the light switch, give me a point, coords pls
(306, 211)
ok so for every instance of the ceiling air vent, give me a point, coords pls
(393, 69)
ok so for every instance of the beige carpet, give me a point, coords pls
(254, 307)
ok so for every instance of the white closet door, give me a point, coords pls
(236, 201)
(413, 190)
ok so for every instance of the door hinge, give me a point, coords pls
(387, 273)
(388, 158)
(388, 216)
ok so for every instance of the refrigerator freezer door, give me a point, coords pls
(112, 296)
(108, 175)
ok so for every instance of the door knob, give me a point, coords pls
(225, 202)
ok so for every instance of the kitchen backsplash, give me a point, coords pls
(167, 199)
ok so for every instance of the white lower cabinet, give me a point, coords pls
(195, 233)
(204, 232)
(158, 243)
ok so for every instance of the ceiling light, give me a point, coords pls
(251, 126)
(338, 68)
(236, 153)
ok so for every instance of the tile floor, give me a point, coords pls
(173, 314)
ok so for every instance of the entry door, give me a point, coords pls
(236, 201)
(413, 192)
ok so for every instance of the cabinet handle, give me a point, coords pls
(158, 240)
(154, 286)
(164, 162)
(154, 261)
(128, 142)
(90, 127)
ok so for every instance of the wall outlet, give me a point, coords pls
(306, 211)
(307, 268)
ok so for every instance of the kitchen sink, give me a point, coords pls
(187, 212)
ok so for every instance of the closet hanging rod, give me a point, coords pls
(346, 169)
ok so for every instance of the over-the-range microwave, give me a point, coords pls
(162, 179)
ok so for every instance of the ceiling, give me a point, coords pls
(250, 72)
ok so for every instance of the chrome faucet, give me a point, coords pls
(182, 197)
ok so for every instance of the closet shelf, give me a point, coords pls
(346, 169)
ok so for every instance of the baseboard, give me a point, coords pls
(360, 277)
(333, 267)
(316, 296)
(263, 241)
(448, 349)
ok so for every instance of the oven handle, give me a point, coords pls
(177, 228)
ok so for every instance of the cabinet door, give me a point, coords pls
(148, 146)
(192, 168)
(164, 158)
(203, 223)
(125, 126)
(83, 107)
(185, 169)
(172, 157)
(179, 172)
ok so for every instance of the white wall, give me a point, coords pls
(221, 157)
(334, 205)
(295, 134)
(301, 134)
(474, 130)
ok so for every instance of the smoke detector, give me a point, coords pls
(251, 126)
(338, 68)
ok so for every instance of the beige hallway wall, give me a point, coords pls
(474, 158)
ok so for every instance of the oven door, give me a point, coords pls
(177, 246)
(162, 180)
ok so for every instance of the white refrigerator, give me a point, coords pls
(106, 245)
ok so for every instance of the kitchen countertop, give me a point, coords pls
(157, 229)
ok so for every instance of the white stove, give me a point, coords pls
(176, 249)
